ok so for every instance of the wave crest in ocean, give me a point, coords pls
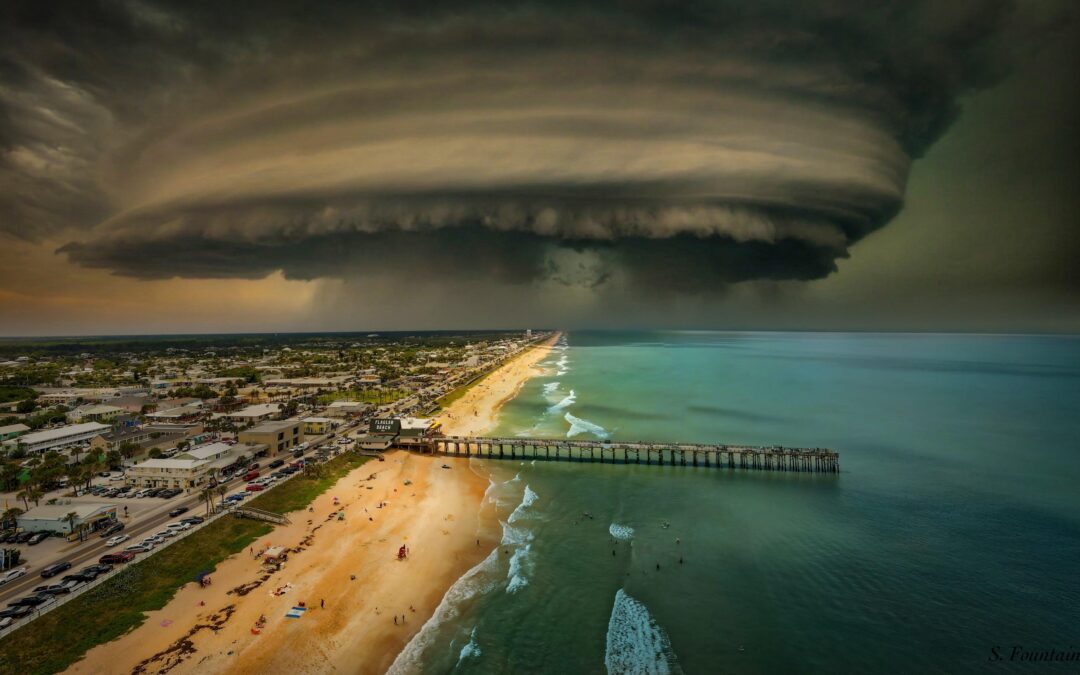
(635, 642)
(565, 403)
(623, 532)
(580, 426)
(471, 650)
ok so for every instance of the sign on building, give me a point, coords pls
(385, 426)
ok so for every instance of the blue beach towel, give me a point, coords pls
(296, 612)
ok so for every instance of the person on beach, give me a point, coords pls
(322, 604)
(395, 619)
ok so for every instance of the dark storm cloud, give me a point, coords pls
(675, 145)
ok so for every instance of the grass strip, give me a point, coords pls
(58, 639)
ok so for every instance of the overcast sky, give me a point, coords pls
(190, 167)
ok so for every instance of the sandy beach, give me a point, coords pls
(346, 572)
(475, 412)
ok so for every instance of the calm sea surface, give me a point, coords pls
(953, 528)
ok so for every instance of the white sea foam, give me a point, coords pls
(561, 363)
(520, 568)
(527, 500)
(477, 581)
(624, 532)
(635, 642)
(580, 426)
(471, 650)
(550, 388)
(565, 403)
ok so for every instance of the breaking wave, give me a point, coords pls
(471, 650)
(635, 642)
(550, 388)
(567, 401)
(580, 426)
(520, 568)
(527, 500)
(624, 532)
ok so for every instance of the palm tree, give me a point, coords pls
(208, 497)
(222, 491)
(70, 519)
(24, 495)
(11, 514)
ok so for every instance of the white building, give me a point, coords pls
(191, 468)
(50, 517)
(345, 408)
(255, 413)
(43, 441)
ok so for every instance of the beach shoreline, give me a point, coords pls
(363, 605)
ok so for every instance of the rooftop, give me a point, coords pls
(62, 432)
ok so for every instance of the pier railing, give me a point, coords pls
(750, 457)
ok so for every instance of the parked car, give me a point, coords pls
(116, 558)
(98, 570)
(298, 453)
(275, 464)
(194, 520)
(118, 477)
(154, 539)
(12, 575)
(37, 538)
(178, 526)
(255, 487)
(54, 589)
(55, 568)
(177, 511)
(165, 533)
(118, 539)
(138, 548)
(36, 600)
(253, 466)
(169, 494)
(16, 612)
(251, 475)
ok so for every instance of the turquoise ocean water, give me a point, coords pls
(953, 528)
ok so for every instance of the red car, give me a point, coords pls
(251, 475)
(116, 558)
(255, 487)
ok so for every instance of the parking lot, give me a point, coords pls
(142, 517)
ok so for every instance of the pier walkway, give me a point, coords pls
(758, 458)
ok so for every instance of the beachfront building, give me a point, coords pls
(192, 468)
(52, 517)
(278, 436)
(52, 439)
(317, 426)
(12, 431)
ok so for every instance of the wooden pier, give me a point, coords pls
(754, 458)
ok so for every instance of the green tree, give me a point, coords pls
(70, 519)
(26, 406)
(155, 453)
(129, 449)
